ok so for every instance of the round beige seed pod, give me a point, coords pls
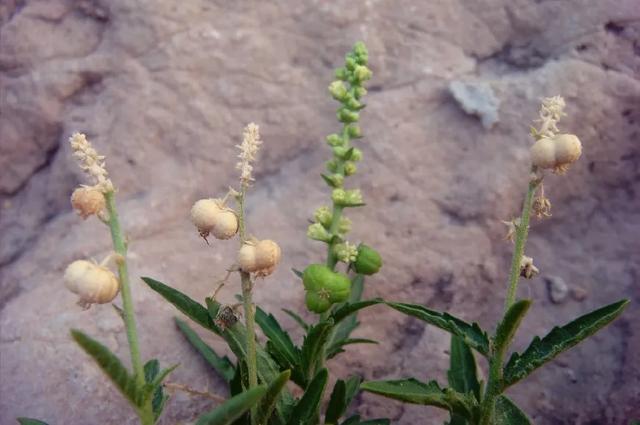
(87, 201)
(94, 284)
(203, 215)
(543, 153)
(247, 258)
(267, 255)
(226, 225)
(568, 149)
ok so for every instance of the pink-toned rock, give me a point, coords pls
(164, 88)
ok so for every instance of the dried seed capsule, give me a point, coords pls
(87, 201)
(211, 217)
(368, 260)
(568, 149)
(557, 152)
(94, 284)
(268, 256)
(247, 258)
(543, 153)
(226, 225)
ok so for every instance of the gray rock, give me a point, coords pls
(557, 288)
(477, 98)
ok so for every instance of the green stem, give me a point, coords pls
(522, 232)
(120, 247)
(495, 384)
(248, 308)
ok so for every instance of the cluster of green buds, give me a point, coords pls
(323, 284)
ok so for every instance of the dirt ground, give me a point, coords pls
(164, 88)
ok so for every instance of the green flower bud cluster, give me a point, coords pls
(347, 198)
(346, 252)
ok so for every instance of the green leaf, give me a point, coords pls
(349, 308)
(313, 347)
(280, 344)
(558, 340)
(29, 421)
(380, 421)
(347, 325)
(510, 323)
(472, 335)
(337, 403)
(463, 372)
(150, 387)
(151, 370)
(233, 408)
(352, 420)
(336, 348)
(306, 410)
(410, 391)
(507, 413)
(268, 403)
(299, 320)
(194, 310)
(111, 366)
(297, 273)
(222, 365)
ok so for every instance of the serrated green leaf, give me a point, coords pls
(299, 320)
(472, 335)
(558, 340)
(233, 408)
(222, 365)
(307, 408)
(510, 323)
(268, 403)
(507, 413)
(349, 308)
(409, 390)
(192, 309)
(111, 366)
(151, 370)
(463, 371)
(150, 387)
(29, 421)
(280, 343)
(313, 348)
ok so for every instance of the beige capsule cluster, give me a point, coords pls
(88, 201)
(93, 283)
(556, 153)
(259, 257)
(211, 216)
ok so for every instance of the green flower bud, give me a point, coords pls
(324, 287)
(340, 151)
(334, 180)
(345, 252)
(359, 92)
(335, 140)
(339, 196)
(344, 225)
(356, 155)
(350, 168)
(341, 74)
(338, 90)
(317, 232)
(347, 116)
(350, 62)
(362, 73)
(354, 131)
(353, 104)
(323, 216)
(360, 52)
(368, 260)
(332, 165)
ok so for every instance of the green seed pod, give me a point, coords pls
(316, 303)
(368, 260)
(325, 283)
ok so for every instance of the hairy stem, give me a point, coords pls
(337, 209)
(522, 232)
(120, 247)
(248, 306)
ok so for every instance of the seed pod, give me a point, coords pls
(210, 216)
(268, 254)
(226, 225)
(247, 258)
(557, 152)
(368, 260)
(325, 283)
(316, 303)
(94, 284)
(87, 201)
(203, 215)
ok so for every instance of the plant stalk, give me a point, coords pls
(120, 247)
(248, 307)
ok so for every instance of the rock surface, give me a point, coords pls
(163, 88)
